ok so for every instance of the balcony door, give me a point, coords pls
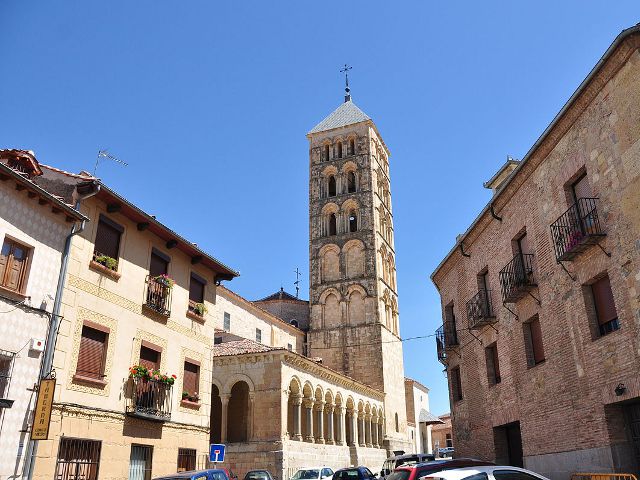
(158, 265)
(149, 358)
(581, 188)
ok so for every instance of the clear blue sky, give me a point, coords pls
(209, 103)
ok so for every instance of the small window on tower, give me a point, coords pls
(333, 224)
(352, 147)
(351, 182)
(332, 186)
(339, 148)
(353, 221)
(325, 153)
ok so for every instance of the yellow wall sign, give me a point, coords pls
(42, 414)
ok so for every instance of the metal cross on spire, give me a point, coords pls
(345, 70)
(297, 282)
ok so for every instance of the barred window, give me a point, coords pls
(186, 459)
(140, 462)
(78, 459)
(6, 364)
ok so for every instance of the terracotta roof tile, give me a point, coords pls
(239, 347)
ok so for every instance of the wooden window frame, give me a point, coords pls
(95, 378)
(150, 346)
(23, 274)
(196, 385)
(610, 323)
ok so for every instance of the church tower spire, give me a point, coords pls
(354, 324)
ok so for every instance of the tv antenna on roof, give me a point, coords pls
(297, 282)
(105, 154)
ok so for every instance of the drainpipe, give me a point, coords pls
(54, 323)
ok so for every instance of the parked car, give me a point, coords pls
(353, 473)
(258, 475)
(416, 472)
(391, 463)
(445, 452)
(229, 472)
(208, 474)
(313, 473)
(496, 472)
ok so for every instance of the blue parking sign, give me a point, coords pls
(216, 452)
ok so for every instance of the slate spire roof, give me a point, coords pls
(346, 114)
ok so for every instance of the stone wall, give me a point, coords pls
(561, 403)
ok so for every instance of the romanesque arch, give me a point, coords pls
(331, 309)
(238, 413)
(353, 252)
(356, 309)
(329, 262)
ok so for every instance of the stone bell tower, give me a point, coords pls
(354, 324)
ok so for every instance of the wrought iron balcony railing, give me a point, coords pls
(517, 277)
(440, 345)
(480, 309)
(158, 296)
(149, 399)
(576, 229)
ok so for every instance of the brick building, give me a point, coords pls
(541, 294)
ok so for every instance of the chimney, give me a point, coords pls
(495, 182)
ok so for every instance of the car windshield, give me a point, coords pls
(257, 476)
(399, 475)
(306, 475)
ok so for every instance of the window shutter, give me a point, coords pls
(456, 384)
(190, 379)
(92, 352)
(157, 265)
(107, 239)
(149, 358)
(4, 260)
(536, 341)
(603, 299)
(196, 290)
(582, 189)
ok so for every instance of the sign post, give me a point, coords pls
(42, 413)
(216, 453)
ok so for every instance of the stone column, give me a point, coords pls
(381, 432)
(367, 430)
(340, 434)
(361, 431)
(354, 428)
(224, 399)
(319, 413)
(330, 436)
(308, 405)
(297, 417)
(374, 431)
(250, 416)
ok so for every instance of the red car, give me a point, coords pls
(414, 472)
